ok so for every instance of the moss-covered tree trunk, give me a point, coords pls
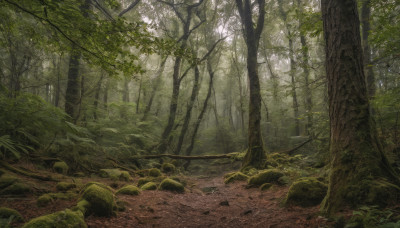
(360, 173)
(255, 155)
(72, 94)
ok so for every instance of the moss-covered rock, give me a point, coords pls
(61, 219)
(7, 213)
(82, 206)
(125, 176)
(61, 167)
(65, 186)
(101, 200)
(154, 172)
(44, 200)
(168, 168)
(98, 184)
(129, 190)
(171, 185)
(306, 192)
(238, 176)
(16, 189)
(115, 174)
(266, 186)
(149, 186)
(267, 176)
(145, 180)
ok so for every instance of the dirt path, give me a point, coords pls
(211, 203)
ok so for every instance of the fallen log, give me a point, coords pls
(201, 157)
(173, 156)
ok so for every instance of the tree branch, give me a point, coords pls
(130, 7)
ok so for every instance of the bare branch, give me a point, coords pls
(130, 7)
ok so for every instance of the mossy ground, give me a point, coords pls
(61, 219)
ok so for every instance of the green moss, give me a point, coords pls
(154, 172)
(7, 180)
(171, 185)
(64, 195)
(284, 180)
(82, 206)
(265, 186)
(98, 184)
(149, 186)
(101, 200)
(16, 189)
(125, 176)
(65, 186)
(168, 168)
(61, 167)
(59, 219)
(306, 192)
(238, 176)
(44, 200)
(113, 174)
(267, 176)
(6, 213)
(129, 190)
(145, 180)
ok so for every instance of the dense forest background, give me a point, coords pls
(122, 78)
(103, 83)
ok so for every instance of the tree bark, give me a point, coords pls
(366, 27)
(255, 155)
(360, 173)
(155, 88)
(97, 96)
(72, 96)
(195, 92)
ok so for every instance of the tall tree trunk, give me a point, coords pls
(360, 173)
(294, 92)
(176, 79)
(155, 87)
(97, 96)
(366, 27)
(189, 150)
(58, 86)
(195, 92)
(125, 94)
(306, 73)
(255, 155)
(72, 94)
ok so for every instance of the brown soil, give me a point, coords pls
(207, 202)
(211, 203)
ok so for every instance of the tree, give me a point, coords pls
(255, 155)
(360, 172)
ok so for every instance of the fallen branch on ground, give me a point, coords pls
(24, 173)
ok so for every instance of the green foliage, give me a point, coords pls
(373, 216)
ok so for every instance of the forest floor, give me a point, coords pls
(207, 202)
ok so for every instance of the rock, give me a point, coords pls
(60, 167)
(125, 176)
(128, 190)
(267, 176)
(149, 186)
(100, 200)
(238, 176)
(168, 168)
(265, 186)
(66, 218)
(44, 200)
(145, 180)
(65, 186)
(7, 213)
(171, 185)
(16, 189)
(115, 174)
(306, 192)
(154, 172)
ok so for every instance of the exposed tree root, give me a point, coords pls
(24, 173)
